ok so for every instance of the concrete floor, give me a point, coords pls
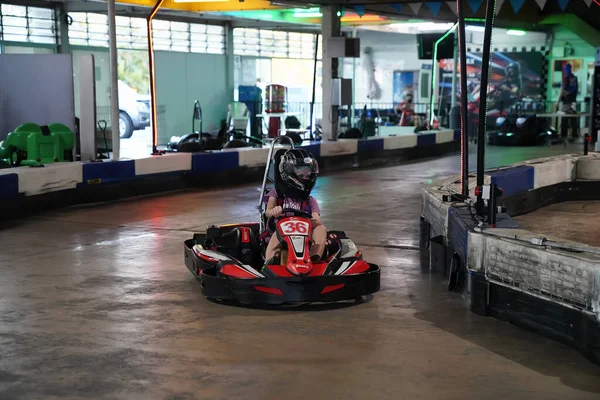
(97, 303)
(573, 220)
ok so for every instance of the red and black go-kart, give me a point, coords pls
(228, 260)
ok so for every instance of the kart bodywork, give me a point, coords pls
(228, 260)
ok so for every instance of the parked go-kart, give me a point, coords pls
(228, 260)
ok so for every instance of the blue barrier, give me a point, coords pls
(514, 180)
(314, 148)
(9, 186)
(370, 145)
(108, 171)
(427, 139)
(218, 161)
(460, 223)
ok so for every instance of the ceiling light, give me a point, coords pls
(200, 1)
(516, 32)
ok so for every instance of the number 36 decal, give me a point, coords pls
(294, 228)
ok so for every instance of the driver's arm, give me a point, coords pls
(316, 219)
(272, 209)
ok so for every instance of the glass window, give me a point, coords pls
(28, 24)
(272, 43)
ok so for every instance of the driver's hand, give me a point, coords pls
(276, 211)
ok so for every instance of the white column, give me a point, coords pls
(330, 27)
(114, 79)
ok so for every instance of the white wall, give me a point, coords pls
(182, 78)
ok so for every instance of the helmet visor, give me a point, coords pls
(304, 170)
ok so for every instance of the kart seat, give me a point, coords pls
(233, 244)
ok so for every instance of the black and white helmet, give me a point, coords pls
(298, 170)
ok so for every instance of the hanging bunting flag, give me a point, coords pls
(452, 6)
(474, 4)
(360, 10)
(397, 7)
(499, 4)
(563, 4)
(415, 7)
(542, 3)
(516, 5)
(434, 7)
(588, 2)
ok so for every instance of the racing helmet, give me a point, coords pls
(298, 170)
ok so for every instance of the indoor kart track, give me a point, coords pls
(97, 303)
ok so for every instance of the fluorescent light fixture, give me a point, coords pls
(475, 28)
(516, 32)
(200, 1)
(308, 15)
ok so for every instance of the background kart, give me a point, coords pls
(228, 260)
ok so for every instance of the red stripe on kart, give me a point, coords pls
(269, 290)
(358, 267)
(331, 288)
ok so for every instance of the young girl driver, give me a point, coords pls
(298, 171)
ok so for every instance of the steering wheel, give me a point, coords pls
(297, 213)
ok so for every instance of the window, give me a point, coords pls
(27, 24)
(92, 30)
(132, 33)
(276, 44)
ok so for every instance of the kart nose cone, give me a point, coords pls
(299, 267)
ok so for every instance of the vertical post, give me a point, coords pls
(314, 82)
(353, 108)
(63, 29)
(114, 80)
(153, 112)
(464, 112)
(330, 27)
(229, 62)
(454, 70)
(485, 75)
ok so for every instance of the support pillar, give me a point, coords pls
(464, 113)
(229, 62)
(114, 80)
(62, 27)
(330, 27)
(485, 75)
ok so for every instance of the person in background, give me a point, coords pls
(568, 99)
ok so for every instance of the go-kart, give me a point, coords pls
(228, 260)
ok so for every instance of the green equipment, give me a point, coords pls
(32, 144)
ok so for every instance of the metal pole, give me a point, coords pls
(353, 107)
(464, 134)
(485, 72)
(153, 112)
(314, 82)
(114, 80)
(454, 70)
